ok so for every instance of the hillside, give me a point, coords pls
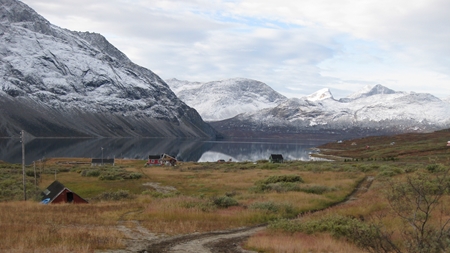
(411, 147)
(59, 83)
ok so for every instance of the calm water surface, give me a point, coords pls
(183, 149)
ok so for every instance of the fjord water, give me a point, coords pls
(197, 150)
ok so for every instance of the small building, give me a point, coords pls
(58, 193)
(163, 159)
(448, 143)
(168, 160)
(101, 162)
(154, 160)
(276, 158)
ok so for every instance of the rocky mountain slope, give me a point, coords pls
(55, 82)
(375, 110)
(219, 100)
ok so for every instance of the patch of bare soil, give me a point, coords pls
(139, 239)
(159, 188)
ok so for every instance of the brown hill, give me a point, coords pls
(418, 147)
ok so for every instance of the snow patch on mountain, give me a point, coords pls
(321, 94)
(370, 90)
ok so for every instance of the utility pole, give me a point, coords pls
(35, 179)
(23, 165)
(102, 156)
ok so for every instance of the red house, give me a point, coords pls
(58, 193)
(154, 160)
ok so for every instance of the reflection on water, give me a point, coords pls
(130, 148)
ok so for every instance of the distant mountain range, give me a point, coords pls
(258, 111)
(59, 83)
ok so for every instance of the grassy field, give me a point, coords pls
(200, 197)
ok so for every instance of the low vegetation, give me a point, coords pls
(299, 200)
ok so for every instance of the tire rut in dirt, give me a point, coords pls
(231, 245)
(165, 245)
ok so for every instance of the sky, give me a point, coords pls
(295, 47)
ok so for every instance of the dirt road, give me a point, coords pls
(229, 241)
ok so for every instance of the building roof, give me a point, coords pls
(52, 191)
(154, 157)
(276, 156)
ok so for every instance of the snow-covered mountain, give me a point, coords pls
(370, 90)
(447, 99)
(374, 111)
(56, 82)
(219, 100)
(320, 95)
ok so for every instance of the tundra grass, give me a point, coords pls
(32, 227)
(270, 242)
(189, 207)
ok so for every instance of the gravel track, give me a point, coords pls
(139, 239)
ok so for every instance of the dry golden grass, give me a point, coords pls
(32, 227)
(85, 228)
(298, 243)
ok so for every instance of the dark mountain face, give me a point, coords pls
(56, 82)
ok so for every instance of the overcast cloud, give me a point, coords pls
(296, 47)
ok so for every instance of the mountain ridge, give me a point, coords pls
(60, 83)
(374, 110)
(218, 100)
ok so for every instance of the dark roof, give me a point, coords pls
(99, 160)
(53, 190)
(276, 156)
(154, 157)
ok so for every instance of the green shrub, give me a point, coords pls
(282, 178)
(269, 206)
(435, 168)
(134, 175)
(161, 195)
(30, 173)
(280, 183)
(111, 176)
(225, 202)
(90, 173)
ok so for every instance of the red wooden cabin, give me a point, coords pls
(58, 193)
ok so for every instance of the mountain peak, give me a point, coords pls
(226, 98)
(77, 84)
(370, 90)
(320, 95)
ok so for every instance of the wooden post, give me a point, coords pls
(35, 179)
(23, 166)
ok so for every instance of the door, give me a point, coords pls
(69, 197)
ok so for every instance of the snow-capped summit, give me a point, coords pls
(218, 100)
(374, 111)
(321, 94)
(55, 82)
(370, 90)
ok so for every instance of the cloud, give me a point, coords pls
(297, 47)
